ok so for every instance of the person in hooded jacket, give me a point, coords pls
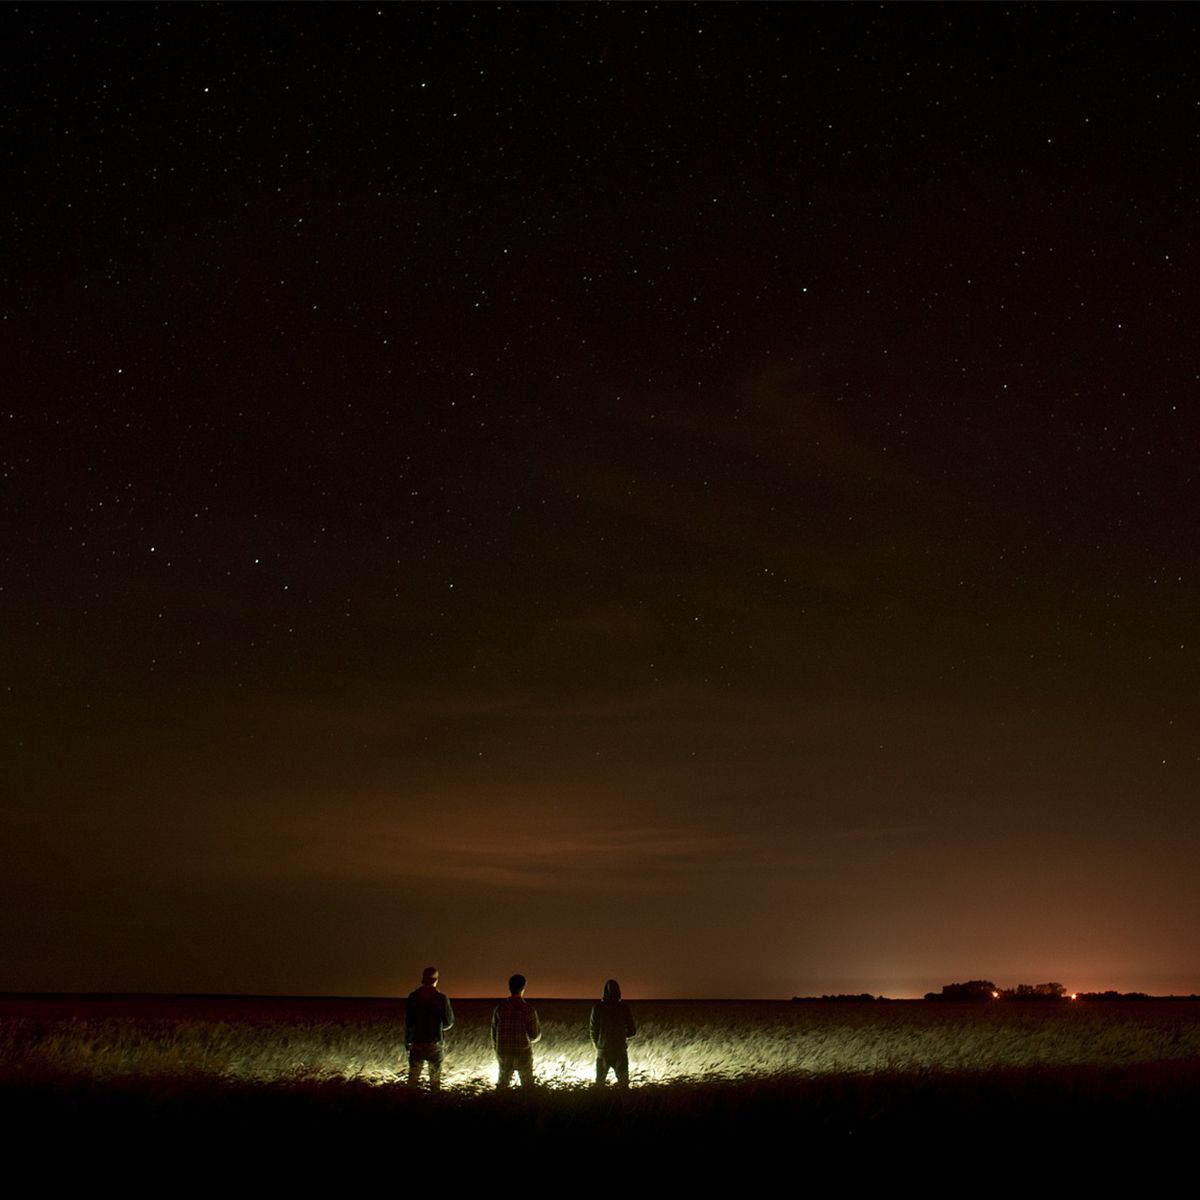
(611, 1026)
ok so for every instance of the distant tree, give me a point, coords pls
(841, 996)
(1035, 991)
(973, 989)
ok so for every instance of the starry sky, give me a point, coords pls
(704, 495)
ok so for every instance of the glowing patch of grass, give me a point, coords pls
(267, 1041)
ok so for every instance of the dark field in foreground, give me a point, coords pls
(300, 1087)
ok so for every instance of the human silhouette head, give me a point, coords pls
(516, 985)
(429, 977)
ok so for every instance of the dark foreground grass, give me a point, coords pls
(335, 1131)
(168, 1094)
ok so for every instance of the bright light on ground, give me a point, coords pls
(554, 1073)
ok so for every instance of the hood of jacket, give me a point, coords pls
(612, 990)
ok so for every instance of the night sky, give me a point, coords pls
(700, 495)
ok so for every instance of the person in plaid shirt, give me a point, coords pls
(514, 1030)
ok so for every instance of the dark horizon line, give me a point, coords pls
(828, 999)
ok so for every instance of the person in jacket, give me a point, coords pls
(427, 1016)
(611, 1026)
(515, 1028)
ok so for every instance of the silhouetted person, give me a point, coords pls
(514, 1030)
(427, 1016)
(611, 1026)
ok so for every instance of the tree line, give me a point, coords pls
(985, 989)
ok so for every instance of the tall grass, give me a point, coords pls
(287, 1088)
(268, 1041)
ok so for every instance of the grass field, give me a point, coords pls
(830, 1079)
(278, 1041)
